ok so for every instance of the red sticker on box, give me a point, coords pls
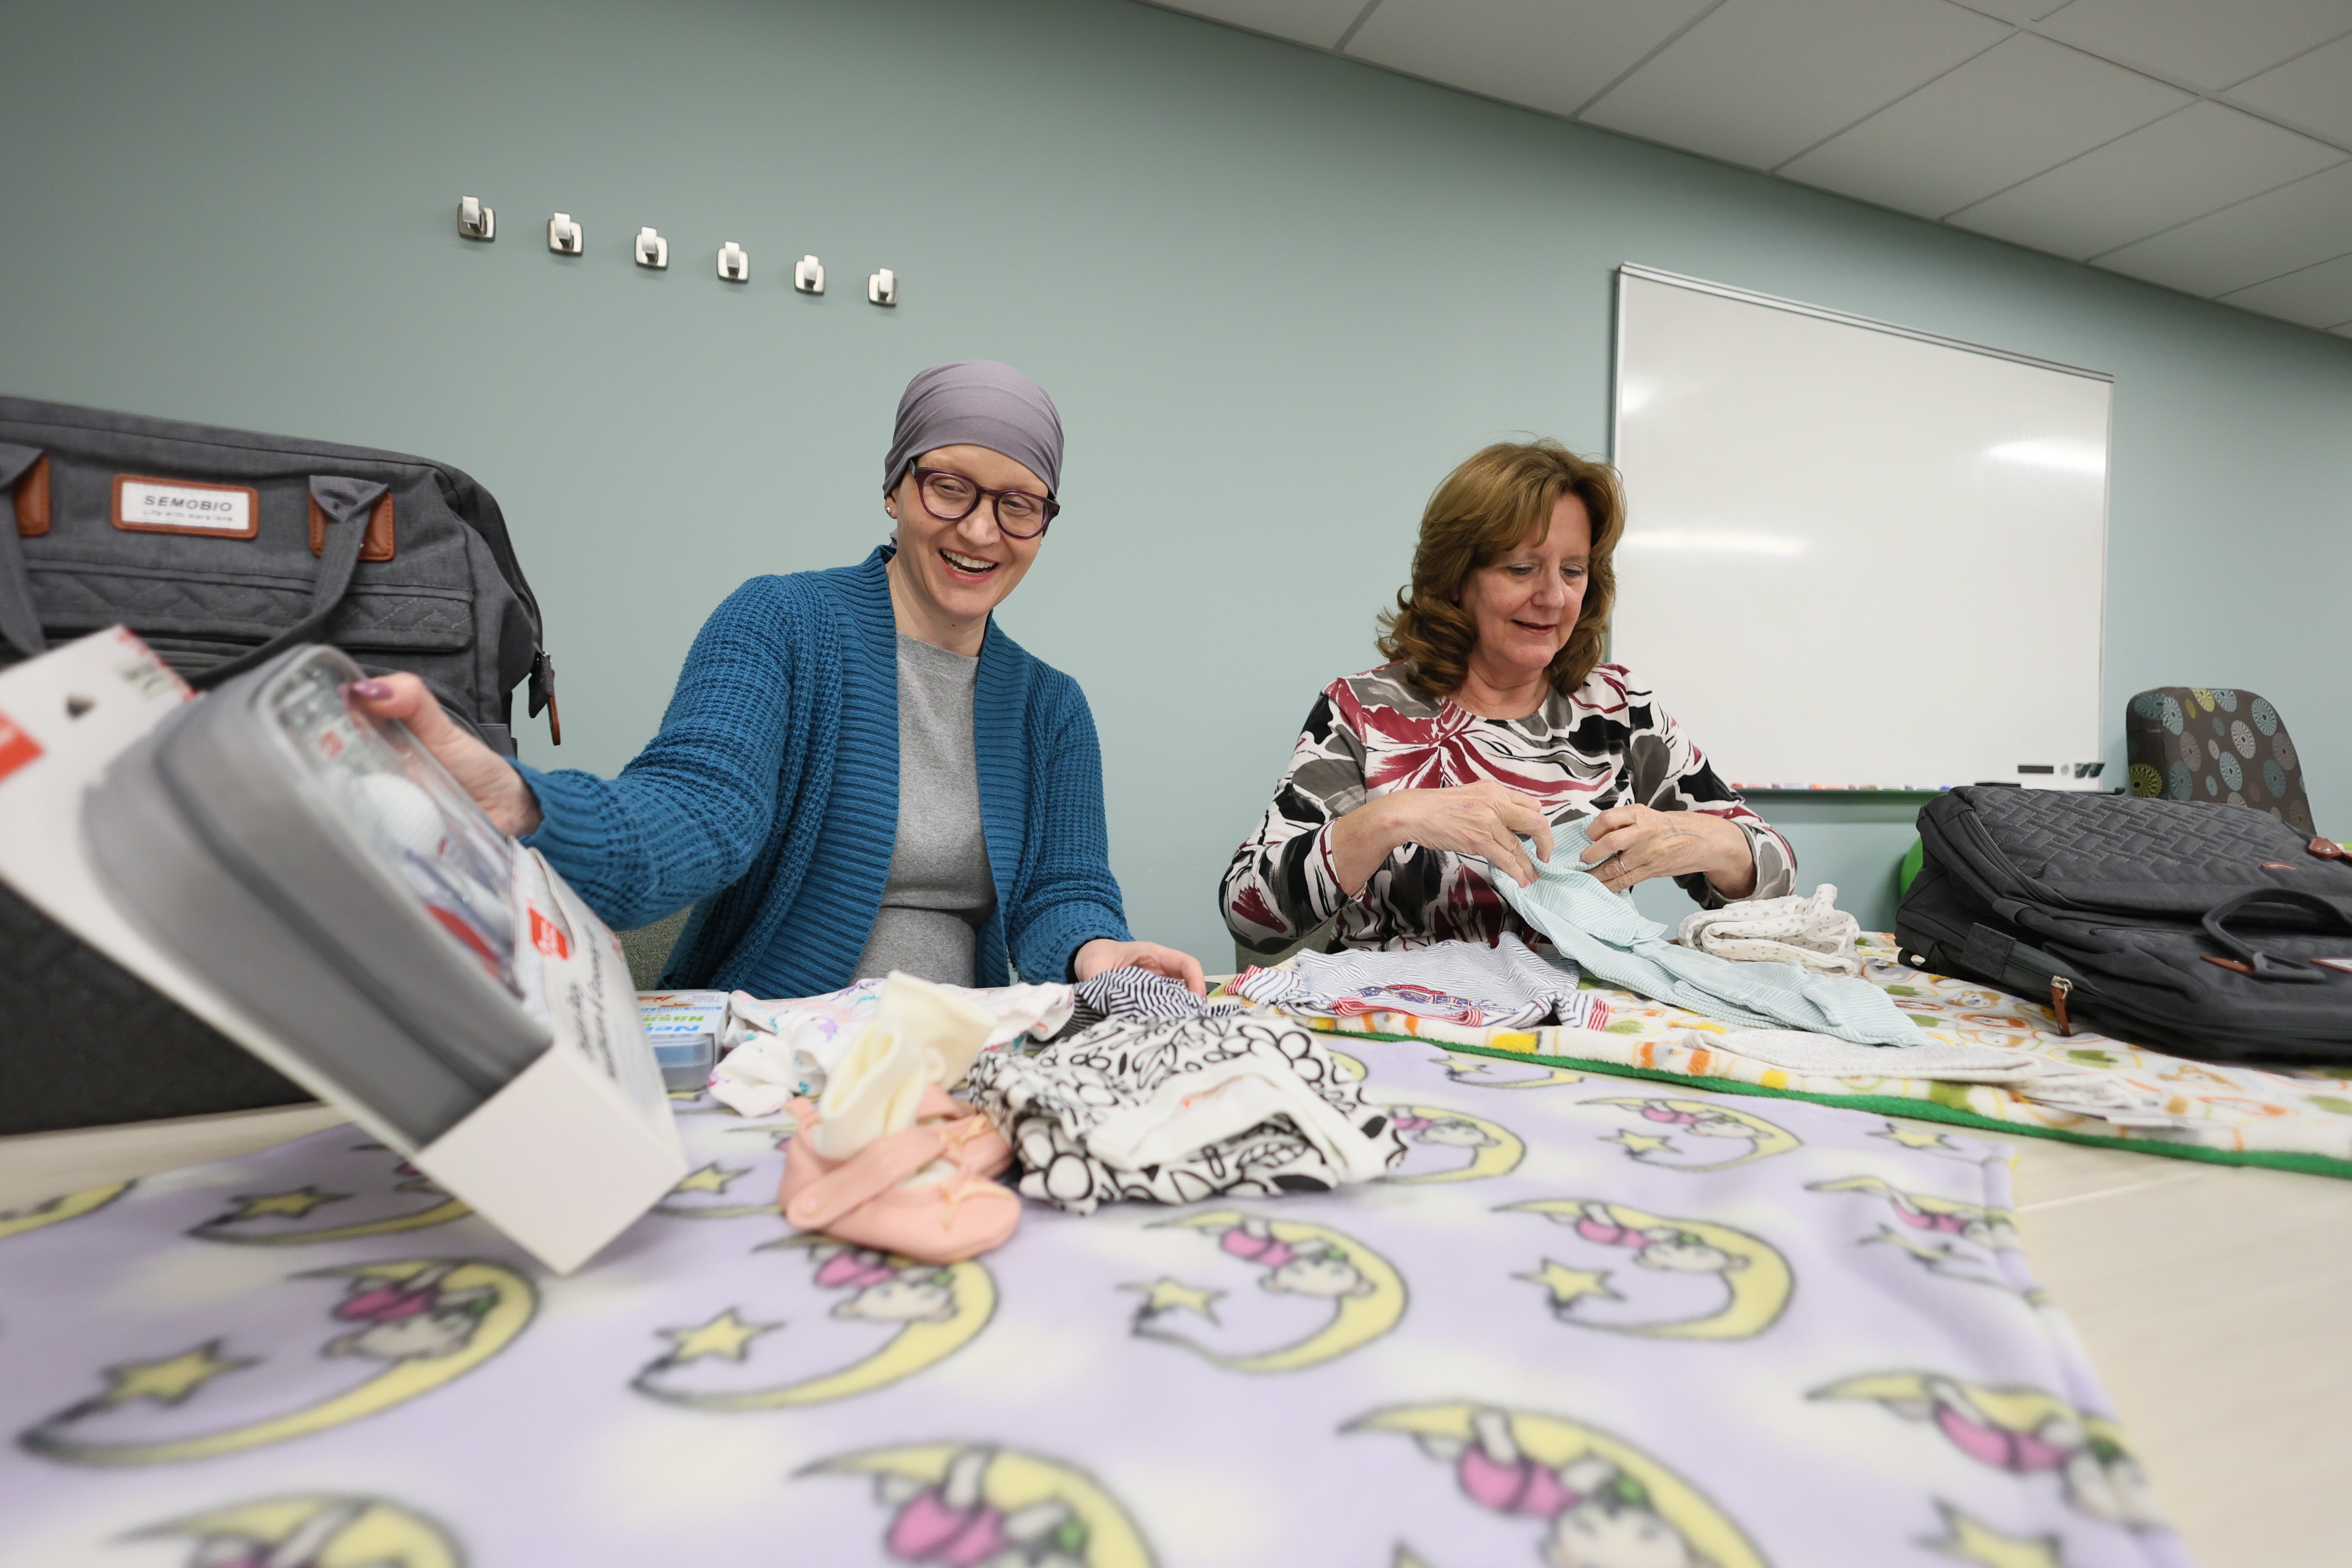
(16, 747)
(547, 936)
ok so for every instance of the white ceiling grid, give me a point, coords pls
(2202, 145)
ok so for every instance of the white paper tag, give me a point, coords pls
(208, 508)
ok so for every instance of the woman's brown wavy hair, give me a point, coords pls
(1486, 508)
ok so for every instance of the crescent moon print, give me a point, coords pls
(1493, 1150)
(1366, 1294)
(1992, 1229)
(1351, 1069)
(259, 1217)
(1754, 1278)
(972, 1502)
(1599, 1498)
(1488, 1072)
(2024, 1431)
(713, 1178)
(312, 1531)
(429, 1321)
(1693, 1120)
(56, 1211)
(933, 1312)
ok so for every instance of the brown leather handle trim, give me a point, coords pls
(33, 499)
(376, 545)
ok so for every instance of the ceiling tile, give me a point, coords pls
(2314, 91)
(2317, 296)
(2014, 10)
(2258, 239)
(1546, 54)
(1758, 81)
(2181, 167)
(2012, 111)
(2208, 43)
(1322, 22)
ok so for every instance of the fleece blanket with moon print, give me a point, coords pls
(1592, 1322)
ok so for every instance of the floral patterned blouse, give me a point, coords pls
(1608, 744)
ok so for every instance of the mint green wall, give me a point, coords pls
(1278, 296)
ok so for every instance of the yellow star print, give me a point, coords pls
(1969, 1541)
(711, 1178)
(725, 1335)
(1570, 1285)
(1913, 1137)
(1166, 1295)
(1640, 1143)
(292, 1205)
(169, 1381)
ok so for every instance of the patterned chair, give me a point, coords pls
(2209, 744)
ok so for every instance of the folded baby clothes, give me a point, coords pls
(1798, 1051)
(1813, 933)
(1176, 1111)
(1606, 933)
(1507, 986)
(780, 1050)
(1140, 994)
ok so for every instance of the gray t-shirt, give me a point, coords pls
(940, 891)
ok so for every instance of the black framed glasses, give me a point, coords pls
(951, 497)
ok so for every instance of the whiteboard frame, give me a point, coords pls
(1822, 312)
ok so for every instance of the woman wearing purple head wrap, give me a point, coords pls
(859, 772)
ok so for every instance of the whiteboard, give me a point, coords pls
(1857, 556)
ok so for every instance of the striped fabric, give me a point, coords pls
(770, 798)
(1506, 986)
(1140, 996)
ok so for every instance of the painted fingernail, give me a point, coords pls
(369, 690)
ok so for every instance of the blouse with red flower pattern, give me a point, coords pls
(1609, 744)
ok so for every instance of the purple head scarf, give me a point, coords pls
(977, 402)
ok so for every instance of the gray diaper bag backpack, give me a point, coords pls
(222, 549)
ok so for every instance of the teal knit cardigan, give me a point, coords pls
(770, 798)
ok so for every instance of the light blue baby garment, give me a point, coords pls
(1604, 933)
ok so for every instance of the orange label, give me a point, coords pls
(16, 748)
(547, 936)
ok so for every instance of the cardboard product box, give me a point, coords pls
(311, 883)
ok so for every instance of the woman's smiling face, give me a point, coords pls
(962, 570)
(1526, 603)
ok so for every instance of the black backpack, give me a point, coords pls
(2214, 931)
(222, 549)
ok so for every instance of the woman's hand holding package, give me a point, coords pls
(1638, 843)
(480, 771)
(1483, 819)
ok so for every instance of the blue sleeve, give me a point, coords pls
(1069, 897)
(688, 814)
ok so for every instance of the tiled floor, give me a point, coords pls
(2212, 1300)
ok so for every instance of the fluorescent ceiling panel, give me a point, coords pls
(2264, 237)
(2183, 166)
(2314, 90)
(2210, 44)
(1758, 81)
(1552, 55)
(2010, 113)
(2317, 296)
(1317, 22)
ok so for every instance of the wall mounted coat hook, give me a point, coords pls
(734, 263)
(564, 236)
(475, 221)
(652, 250)
(809, 276)
(883, 288)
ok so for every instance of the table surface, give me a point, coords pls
(2208, 1297)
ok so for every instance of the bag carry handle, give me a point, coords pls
(2248, 959)
(20, 624)
(346, 504)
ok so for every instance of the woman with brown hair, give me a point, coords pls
(1494, 720)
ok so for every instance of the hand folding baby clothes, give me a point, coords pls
(1813, 933)
(885, 1158)
(1175, 1111)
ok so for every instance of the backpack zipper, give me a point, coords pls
(2059, 989)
